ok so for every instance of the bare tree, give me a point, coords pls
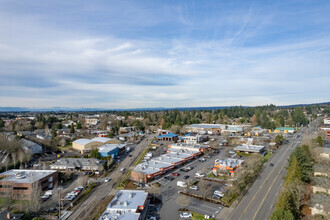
(34, 202)
(183, 201)
(13, 156)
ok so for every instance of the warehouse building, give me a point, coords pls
(127, 205)
(110, 150)
(86, 145)
(21, 184)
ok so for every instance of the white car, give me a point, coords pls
(194, 187)
(107, 179)
(186, 215)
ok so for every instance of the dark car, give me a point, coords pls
(169, 178)
(186, 177)
(271, 164)
(52, 210)
(175, 174)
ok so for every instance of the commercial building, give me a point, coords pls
(245, 148)
(168, 137)
(86, 145)
(190, 147)
(126, 205)
(284, 130)
(90, 164)
(326, 121)
(21, 184)
(326, 129)
(228, 165)
(110, 150)
(147, 171)
(194, 138)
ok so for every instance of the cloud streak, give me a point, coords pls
(162, 55)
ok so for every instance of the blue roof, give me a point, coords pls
(169, 135)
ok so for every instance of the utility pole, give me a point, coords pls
(59, 202)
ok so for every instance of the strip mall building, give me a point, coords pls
(176, 156)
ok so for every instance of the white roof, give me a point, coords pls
(26, 176)
(101, 139)
(83, 141)
(125, 204)
(110, 147)
(250, 148)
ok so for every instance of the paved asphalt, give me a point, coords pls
(169, 210)
(260, 200)
(84, 210)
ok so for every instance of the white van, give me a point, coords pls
(181, 184)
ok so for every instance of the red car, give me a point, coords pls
(175, 174)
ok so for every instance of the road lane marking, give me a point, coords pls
(264, 182)
(279, 172)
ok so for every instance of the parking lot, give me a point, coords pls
(169, 188)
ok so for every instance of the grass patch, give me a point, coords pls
(211, 175)
(142, 156)
(196, 216)
(266, 157)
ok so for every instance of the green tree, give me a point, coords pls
(281, 214)
(320, 141)
(95, 153)
(279, 139)
(72, 128)
(79, 125)
(294, 172)
(2, 123)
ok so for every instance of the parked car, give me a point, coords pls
(44, 197)
(122, 169)
(186, 177)
(169, 178)
(186, 215)
(184, 169)
(207, 156)
(202, 159)
(271, 164)
(194, 187)
(79, 188)
(189, 168)
(52, 210)
(175, 174)
(107, 179)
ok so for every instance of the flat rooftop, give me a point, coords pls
(25, 176)
(249, 148)
(110, 147)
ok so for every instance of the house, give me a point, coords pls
(168, 137)
(245, 148)
(319, 204)
(30, 147)
(326, 152)
(284, 130)
(25, 133)
(326, 121)
(20, 184)
(127, 205)
(91, 121)
(72, 164)
(321, 184)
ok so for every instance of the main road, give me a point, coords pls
(259, 202)
(85, 209)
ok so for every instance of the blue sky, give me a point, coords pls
(127, 54)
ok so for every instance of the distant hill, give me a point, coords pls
(67, 109)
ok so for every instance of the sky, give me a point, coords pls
(137, 54)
